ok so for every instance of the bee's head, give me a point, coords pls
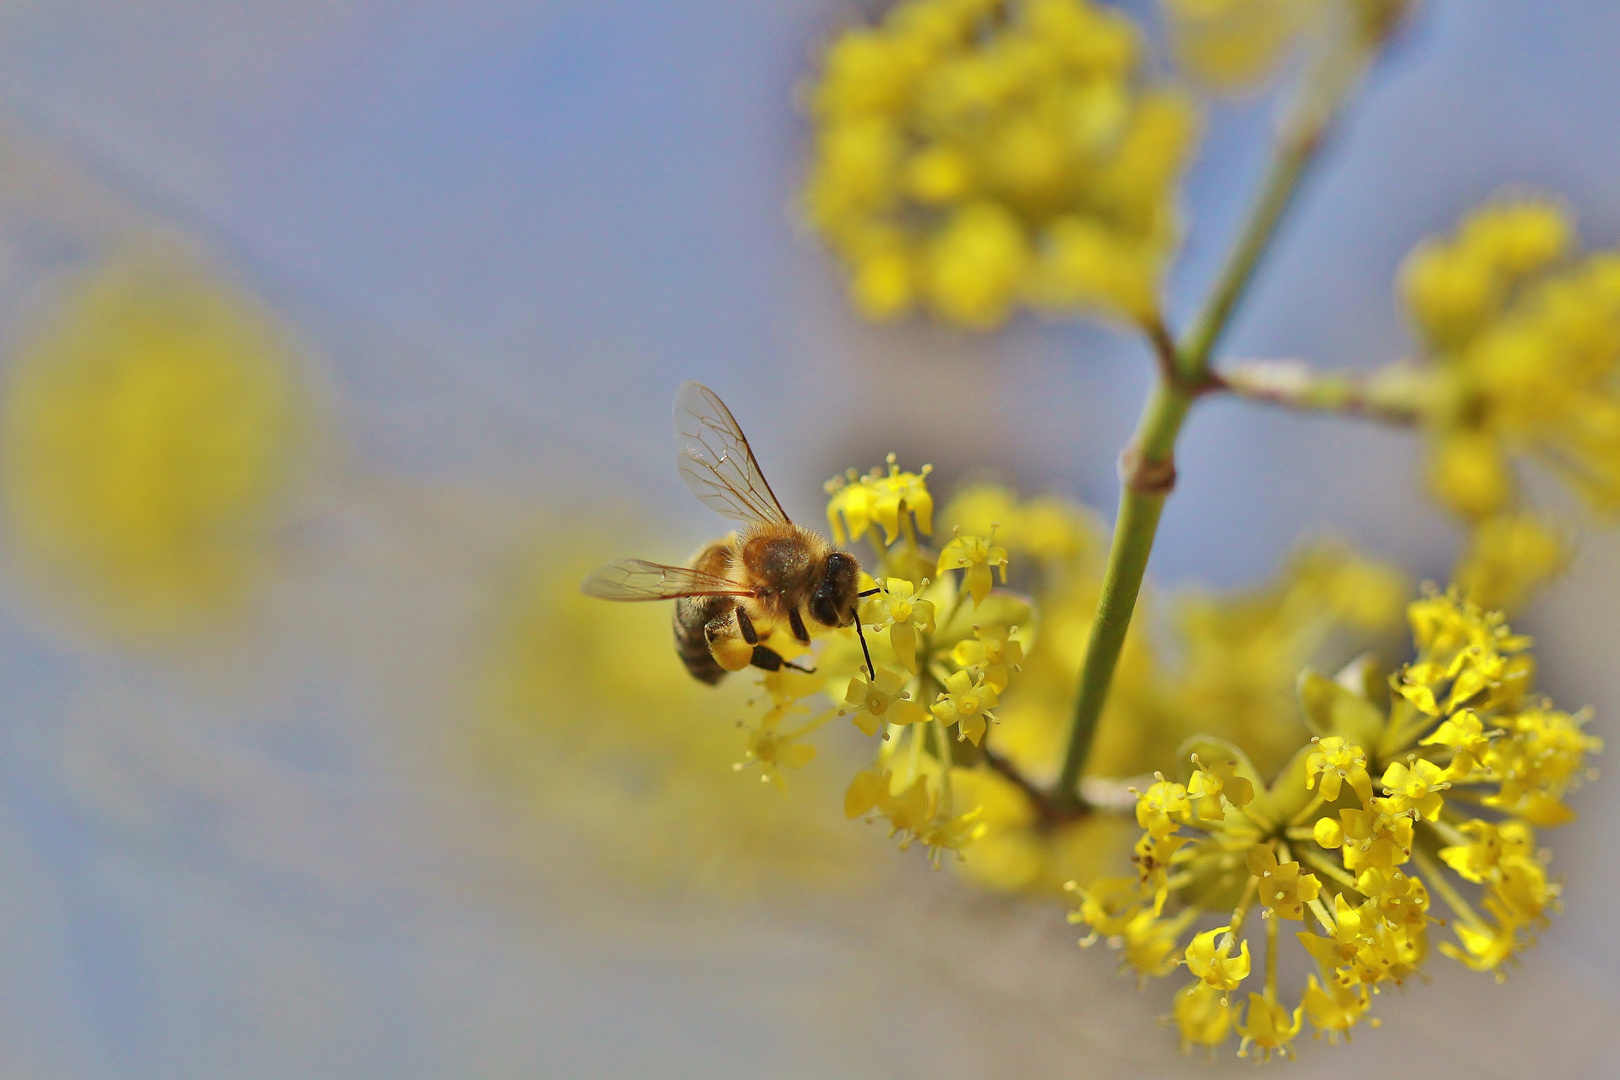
(833, 602)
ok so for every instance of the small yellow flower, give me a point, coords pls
(1373, 839)
(1465, 734)
(911, 812)
(891, 499)
(1340, 949)
(1213, 963)
(1203, 1015)
(1416, 788)
(1465, 700)
(966, 703)
(1162, 807)
(1484, 947)
(1335, 1008)
(900, 610)
(993, 652)
(1487, 847)
(1520, 891)
(1215, 784)
(1150, 942)
(774, 750)
(976, 555)
(1154, 855)
(881, 701)
(1108, 906)
(866, 791)
(1283, 889)
(1269, 1025)
(1336, 761)
(1463, 652)
(952, 833)
(849, 506)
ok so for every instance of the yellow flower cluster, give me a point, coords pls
(1428, 786)
(963, 679)
(152, 430)
(974, 155)
(1522, 340)
(945, 648)
(1509, 557)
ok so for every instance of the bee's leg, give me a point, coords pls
(797, 623)
(767, 659)
(770, 660)
(746, 625)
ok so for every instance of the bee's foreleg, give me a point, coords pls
(796, 622)
(746, 625)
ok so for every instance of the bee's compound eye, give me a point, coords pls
(833, 603)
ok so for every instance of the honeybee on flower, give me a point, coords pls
(775, 579)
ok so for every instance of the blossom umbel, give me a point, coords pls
(974, 155)
(1522, 340)
(1430, 788)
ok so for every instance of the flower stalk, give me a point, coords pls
(1147, 468)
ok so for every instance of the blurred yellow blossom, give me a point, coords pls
(153, 427)
(972, 156)
(774, 749)
(1242, 652)
(976, 555)
(1203, 1015)
(1522, 342)
(584, 715)
(1232, 44)
(1268, 1026)
(1509, 557)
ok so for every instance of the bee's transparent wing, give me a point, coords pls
(715, 460)
(638, 579)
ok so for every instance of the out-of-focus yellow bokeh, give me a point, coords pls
(154, 422)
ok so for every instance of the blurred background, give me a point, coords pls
(256, 819)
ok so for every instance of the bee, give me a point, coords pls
(740, 589)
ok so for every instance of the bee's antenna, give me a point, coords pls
(871, 671)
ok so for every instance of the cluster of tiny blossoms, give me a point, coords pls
(1429, 787)
(944, 643)
(974, 155)
(1522, 346)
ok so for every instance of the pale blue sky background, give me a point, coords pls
(512, 229)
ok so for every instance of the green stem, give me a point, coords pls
(1140, 504)
(1148, 467)
(1292, 153)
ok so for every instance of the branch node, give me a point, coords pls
(1144, 476)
